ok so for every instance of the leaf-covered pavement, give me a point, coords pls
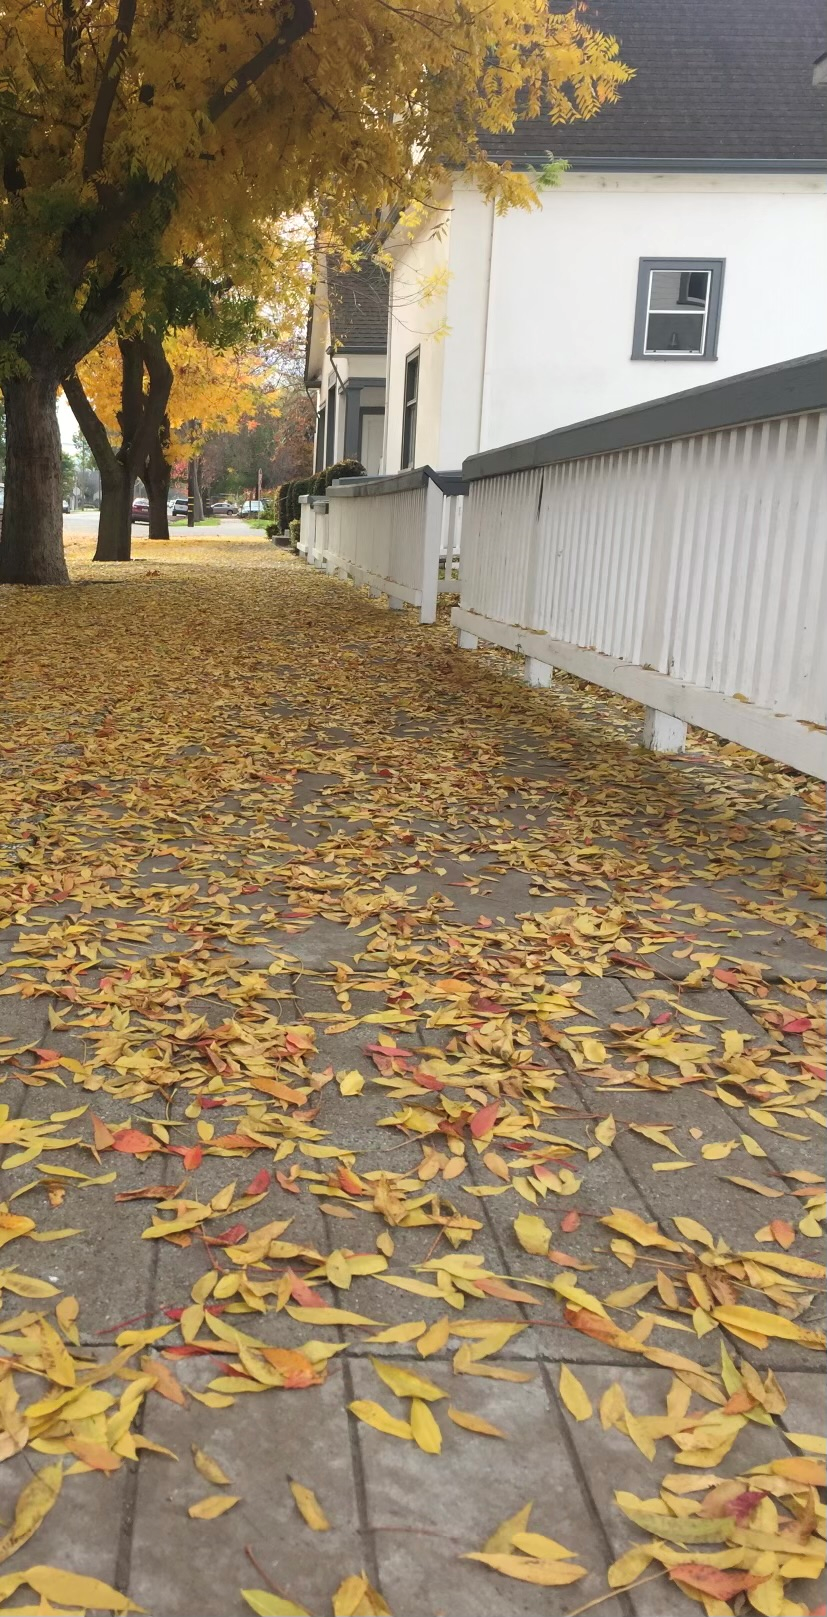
(412, 1105)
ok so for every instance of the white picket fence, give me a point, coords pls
(396, 534)
(676, 553)
(313, 527)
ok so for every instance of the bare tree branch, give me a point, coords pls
(108, 89)
(89, 422)
(292, 30)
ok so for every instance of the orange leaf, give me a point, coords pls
(782, 1232)
(711, 1580)
(134, 1142)
(103, 1136)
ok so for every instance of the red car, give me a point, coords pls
(140, 509)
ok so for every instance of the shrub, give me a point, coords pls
(283, 499)
(301, 485)
(295, 530)
(317, 483)
(343, 468)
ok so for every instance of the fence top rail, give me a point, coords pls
(354, 488)
(796, 386)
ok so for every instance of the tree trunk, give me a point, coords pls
(195, 509)
(31, 546)
(157, 475)
(115, 524)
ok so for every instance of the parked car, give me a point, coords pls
(140, 509)
(66, 506)
(251, 508)
(178, 506)
(224, 508)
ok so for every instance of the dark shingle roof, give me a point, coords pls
(726, 80)
(358, 302)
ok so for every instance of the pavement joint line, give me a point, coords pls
(573, 1453)
(360, 1491)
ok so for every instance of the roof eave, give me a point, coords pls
(682, 165)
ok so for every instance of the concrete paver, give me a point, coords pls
(466, 829)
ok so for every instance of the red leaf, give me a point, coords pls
(799, 1024)
(484, 1119)
(743, 1505)
(721, 975)
(258, 1184)
(711, 1580)
(230, 1237)
(187, 1350)
(425, 1081)
(570, 1221)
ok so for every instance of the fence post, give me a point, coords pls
(662, 732)
(430, 551)
(466, 641)
(537, 673)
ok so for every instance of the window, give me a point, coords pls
(330, 442)
(409, 409)
(320, 440)
(678, 308)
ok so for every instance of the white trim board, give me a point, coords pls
(387, 586)
(773, 735)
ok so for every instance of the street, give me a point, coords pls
(77, 524)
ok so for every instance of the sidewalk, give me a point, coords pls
(367, 1016)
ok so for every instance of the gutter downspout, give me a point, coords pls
(487, 324)
(385, 422)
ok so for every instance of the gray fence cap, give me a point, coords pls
(796, 386)
(451, 483)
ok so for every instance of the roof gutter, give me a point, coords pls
(682, 165)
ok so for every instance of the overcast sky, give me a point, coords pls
(66, 422)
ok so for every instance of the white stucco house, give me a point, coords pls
(347, 334)
(686, 242)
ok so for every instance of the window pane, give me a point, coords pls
(695, 287)
(678, 289)
(674, 333)
(411, 379)
(408, 436)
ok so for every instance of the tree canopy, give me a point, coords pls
(135, 134)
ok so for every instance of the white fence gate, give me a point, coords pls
(395, 534)
(675, 552)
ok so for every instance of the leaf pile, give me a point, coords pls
(254, 898)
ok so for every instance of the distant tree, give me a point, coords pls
(68, 473)
(275, 438)
(144, 401)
